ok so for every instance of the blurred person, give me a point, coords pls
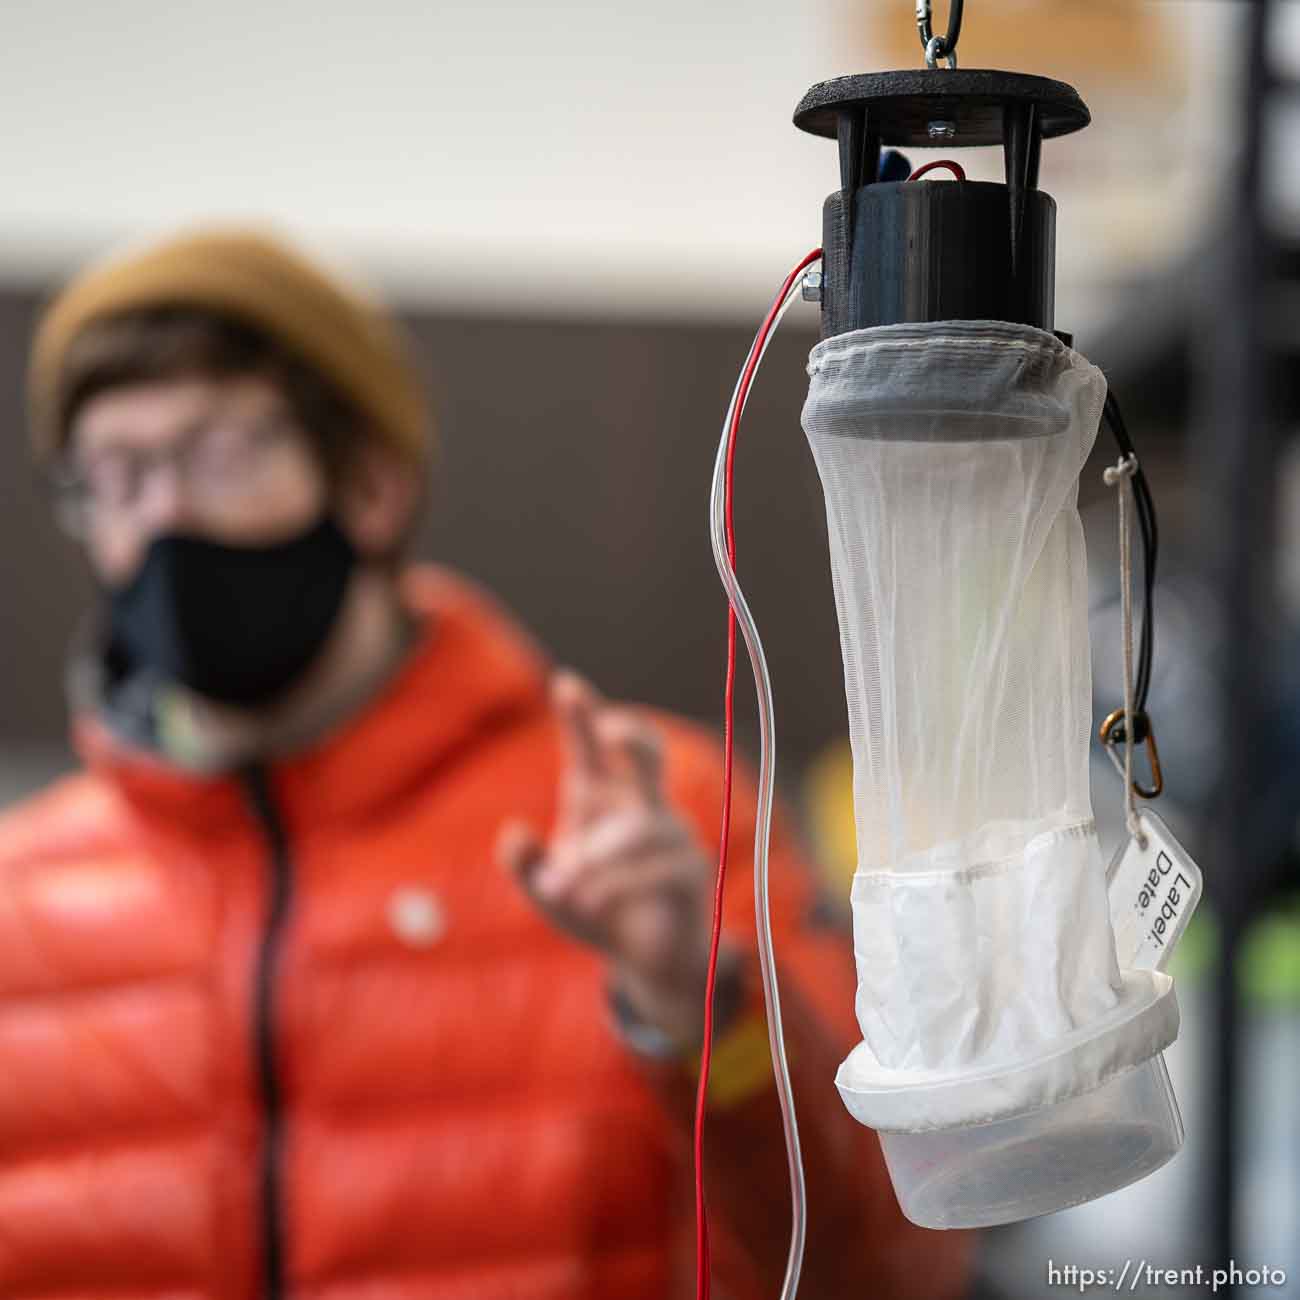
(366, 955)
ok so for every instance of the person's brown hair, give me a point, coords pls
(157, 343)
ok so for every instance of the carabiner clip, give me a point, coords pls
(939, 47)
(1111, 734)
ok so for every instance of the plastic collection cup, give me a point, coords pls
(1050, 1159)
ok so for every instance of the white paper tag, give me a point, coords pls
(1153, 893)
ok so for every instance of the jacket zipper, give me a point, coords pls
(280, 893)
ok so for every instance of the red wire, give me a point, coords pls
(701, 1097)
(955, 167)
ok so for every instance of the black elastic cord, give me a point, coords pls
(1146, 517)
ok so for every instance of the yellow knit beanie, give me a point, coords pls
(254, 276)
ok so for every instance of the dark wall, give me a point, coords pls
(573, 480)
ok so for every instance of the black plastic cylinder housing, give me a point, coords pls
(922, 250)
(925, 250)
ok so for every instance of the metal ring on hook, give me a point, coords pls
(937, 49)
(1111, 734)
(948, 43)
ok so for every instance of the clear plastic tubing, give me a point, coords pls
(763, 821)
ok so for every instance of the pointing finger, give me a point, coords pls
(586, 763)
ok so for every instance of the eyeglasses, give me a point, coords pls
(213, 463)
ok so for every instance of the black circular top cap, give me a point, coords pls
(901, 105)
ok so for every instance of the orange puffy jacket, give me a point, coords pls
(295, 1034)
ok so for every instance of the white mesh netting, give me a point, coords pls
(950, 456)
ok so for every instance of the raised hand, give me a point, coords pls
(622, 871)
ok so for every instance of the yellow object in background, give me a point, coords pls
(828, 803)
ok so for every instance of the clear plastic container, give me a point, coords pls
(1050, 1159)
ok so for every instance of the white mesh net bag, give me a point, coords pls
(988, 988)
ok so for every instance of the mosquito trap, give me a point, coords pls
(1012, 997)
(1010, 1063)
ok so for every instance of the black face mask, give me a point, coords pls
(236, 624)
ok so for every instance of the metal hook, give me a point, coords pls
(939, 47)
(1111, 734)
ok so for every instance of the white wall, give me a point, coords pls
(582, 151)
